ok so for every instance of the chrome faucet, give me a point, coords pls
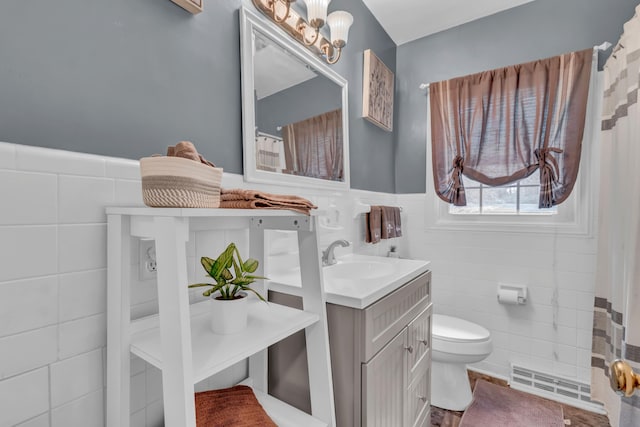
(328, 258)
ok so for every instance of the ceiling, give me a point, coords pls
(407, 20)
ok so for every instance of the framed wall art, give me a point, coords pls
(377, 92)
(193, 6)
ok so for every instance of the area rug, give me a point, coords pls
(498, 406)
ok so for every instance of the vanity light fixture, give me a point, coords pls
(307, 31)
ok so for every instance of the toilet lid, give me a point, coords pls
(449, 328)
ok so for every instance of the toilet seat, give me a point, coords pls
(457, 336)
(457, 330)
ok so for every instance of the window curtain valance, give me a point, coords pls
(497, 127)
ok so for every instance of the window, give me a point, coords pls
(513, 207)
(499, 126)
(519, 198)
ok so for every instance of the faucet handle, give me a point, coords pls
(328, 258)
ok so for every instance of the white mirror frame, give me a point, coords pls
(250, 21)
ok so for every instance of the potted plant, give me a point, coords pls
(233, 278)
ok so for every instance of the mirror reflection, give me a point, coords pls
(298, 115)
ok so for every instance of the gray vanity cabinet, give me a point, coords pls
(380, 359)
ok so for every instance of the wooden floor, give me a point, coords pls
(577, 417)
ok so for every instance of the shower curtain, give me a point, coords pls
(616, 323)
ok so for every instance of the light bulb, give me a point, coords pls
(339, 22)
(317, 12)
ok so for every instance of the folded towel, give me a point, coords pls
(187, 150)
(373, 223)
(251, 199)
(234, 406)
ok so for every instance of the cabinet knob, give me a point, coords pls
(423, 398)
(425, 342)
(409, 348)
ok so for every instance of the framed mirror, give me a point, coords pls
(294, 111)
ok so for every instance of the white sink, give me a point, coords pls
(357, 270)
(355, 280)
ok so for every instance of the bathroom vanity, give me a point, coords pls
(380, 345)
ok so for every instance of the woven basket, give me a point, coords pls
(176, 182)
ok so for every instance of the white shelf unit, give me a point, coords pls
(178, 339)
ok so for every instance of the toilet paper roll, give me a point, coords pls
(508, 296)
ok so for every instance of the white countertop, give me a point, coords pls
(355, 281)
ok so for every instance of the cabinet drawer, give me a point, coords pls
(418, 398)
(419, 339)
(384, 319)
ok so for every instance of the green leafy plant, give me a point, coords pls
(230, 273)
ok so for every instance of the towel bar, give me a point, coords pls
(361, 208)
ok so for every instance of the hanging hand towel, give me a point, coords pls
(388, 222)
(398, 221)
(373, 223)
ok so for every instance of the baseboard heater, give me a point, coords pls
(553, 387)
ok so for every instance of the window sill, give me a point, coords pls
(511, 224)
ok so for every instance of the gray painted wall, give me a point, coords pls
(121, 78)
(126, 78)
(535, 30)
(371, 149)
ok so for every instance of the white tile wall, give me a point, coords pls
(128, 193)
(155, 414)
(139, 419)
(88, 208)
(87, 411)
(82, 335)
(153, 385)
(137, 398)
(53, 282)
(82, 294)
(39, 421)
(28, 251)
(82, 247)
(75, 377)
(34, 202)
(28, 350)
(58, 161)
(553, 331)
(59, 221)
(28, 304)
(123, 169)
(24, 397)
(7, 156)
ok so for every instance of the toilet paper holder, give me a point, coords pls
(512, 294)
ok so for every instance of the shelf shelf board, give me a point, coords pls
(285, 415)
(202, 212)
(267, 324)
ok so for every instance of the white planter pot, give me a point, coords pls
(229, 316)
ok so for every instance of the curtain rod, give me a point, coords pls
(604, 46)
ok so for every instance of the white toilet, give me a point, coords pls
(456, 342)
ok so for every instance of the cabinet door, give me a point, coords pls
(419, 340)
(384, 380)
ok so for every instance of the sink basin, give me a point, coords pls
(355, 281)
(358, 270)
